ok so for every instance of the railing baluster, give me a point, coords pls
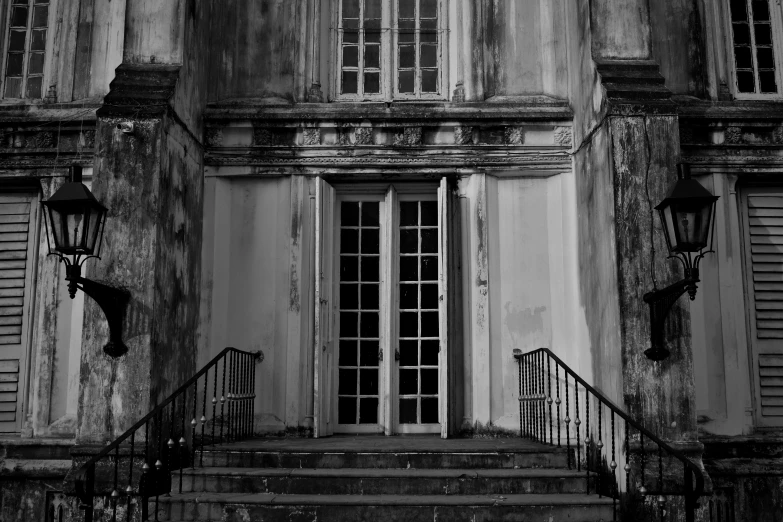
(642, 489)
(661, 498)
(567, 421)
(526, 403)
(613, 466)
(577, 422)
(246, 397)
(145, 470)
(182, 441)
(129, 489)
(223, 397)
(159, 463)
(230, 397)
(115, 493)
(193, 422)
(519, 386)
(203, 419)
(557, 400)
(539, 401)
(549, 393)
(253, 401)
(627, 466)
(214, 417)
(588, 439)
(600, 445)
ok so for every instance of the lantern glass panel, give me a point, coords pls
(75, 230)
(668, 228)
(691, 225)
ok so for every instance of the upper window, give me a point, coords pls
(389, 50)
(756, 40)
(28, 22)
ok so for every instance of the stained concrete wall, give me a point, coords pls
(678, 45)
(259, 59)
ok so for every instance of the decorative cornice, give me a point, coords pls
(140, 90)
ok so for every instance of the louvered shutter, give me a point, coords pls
(764, 263)
(16, 247)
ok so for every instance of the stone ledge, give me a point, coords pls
(35, 468)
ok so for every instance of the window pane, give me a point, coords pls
(429, 80)
(763, 34)
(349, 297)
(350, 56)
(36, 64)
(741, 34)
(429, 324)
(14, 67)
(349, 82)
(369, 294)
(739, 10)
(767, 81)
(409, 382)
(761, 10)
(429, 241)
(350, 9)
(407, 56)
(429, 297)
(369, 324)
(17, 41)
(349, 268)
(407, 8)
(429, 410)
(41, 16)
(372, 56)
(13, 87)
(351, 36)
(368, 410)
(409, 297)
(406, 82)
(348, 353)
(429, 353)
(348, 324)
(409, 241)
(349, 241)
(745, 81)
(407, 31)
(349, 214)
(429, 381)
(370, 240)
(351, 24)
(408, 411)
(765, 58)
(429, 25)
(429, 268)
(409, 214)
(428, 37)
(368, 382)
(429, 213)
(19, 17)
(409, 324)
(743, 57)
(370, 214)
(370, 351)
(429, 8)
(372, 36)
(346, 410)
(409, 353)
(38, 42)
(429, 56)
(370, 269)
(347, 384)
(372, 9)
(409, 268)
(372, 83)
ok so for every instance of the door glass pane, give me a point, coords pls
(418, 315)
(359, 316)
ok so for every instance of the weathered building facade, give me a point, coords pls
(387, 198)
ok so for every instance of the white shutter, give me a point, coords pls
(764, 264)
(323, 349)
(15, 280)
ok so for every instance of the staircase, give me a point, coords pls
(410, 478)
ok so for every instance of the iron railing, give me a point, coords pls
(119, 482)
(548, 388)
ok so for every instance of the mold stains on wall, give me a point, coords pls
(522, 323)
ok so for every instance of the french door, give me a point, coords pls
(381, 330)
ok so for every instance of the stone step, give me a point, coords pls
(385, 452)
(214, 507)
(368, 481)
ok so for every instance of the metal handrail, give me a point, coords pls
(239, 368)
(535, 397)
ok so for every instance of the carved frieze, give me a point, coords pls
(732, 135)
(344, 135)
(311, 136)
(41, 140)
(408, 137)
(363, 136)
(463, 135)
(87, 139)
(514, 135)
(214, 137)
(564, 136)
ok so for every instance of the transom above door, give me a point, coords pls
(388, 320)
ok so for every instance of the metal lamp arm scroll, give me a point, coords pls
(661, 302)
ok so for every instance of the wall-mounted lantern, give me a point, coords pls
(76, 222)
(687, 214)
